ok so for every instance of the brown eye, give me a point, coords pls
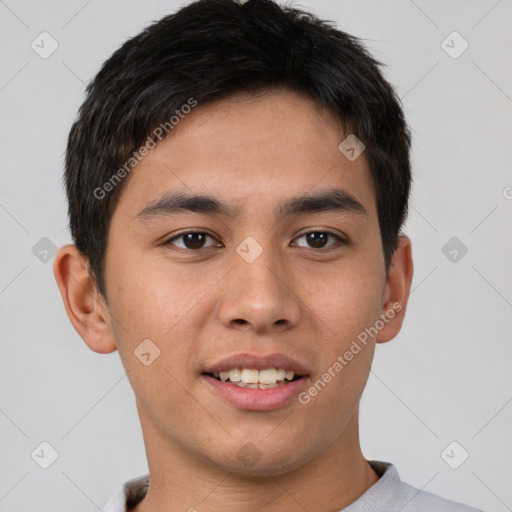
(319, 239)
(192, 240)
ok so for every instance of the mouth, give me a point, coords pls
(252, 378)
(258, 383)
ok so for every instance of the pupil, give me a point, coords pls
(317, 239)
(194, 240)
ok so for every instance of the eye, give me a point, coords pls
(196, 240)
(191, 240)
(318, 239)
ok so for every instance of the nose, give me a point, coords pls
(259, 297)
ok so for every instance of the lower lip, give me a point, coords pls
(257, 399)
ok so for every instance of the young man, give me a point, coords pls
(237, 179)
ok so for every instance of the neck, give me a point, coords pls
(180, 481)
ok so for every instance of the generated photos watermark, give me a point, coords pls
(157, 135)
(354, 349)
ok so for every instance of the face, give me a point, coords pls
(247, 278)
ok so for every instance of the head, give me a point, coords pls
(237, 122)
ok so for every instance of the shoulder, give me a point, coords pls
(391, 494)
(416, 500)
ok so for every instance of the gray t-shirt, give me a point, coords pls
(388, 494)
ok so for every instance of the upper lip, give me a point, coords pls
(257, 362)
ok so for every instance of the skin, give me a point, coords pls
(308, 302)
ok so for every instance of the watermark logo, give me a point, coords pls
(249, 250)
(455, 455)
(44, 45)
(44, 250)
(249, 455)
(146, 352)
(454, 249)
(351, 147)
(44, 455)
(454, 45)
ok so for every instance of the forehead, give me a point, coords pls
(255, 151)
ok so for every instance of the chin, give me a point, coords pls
(251, 462)
(263, 470)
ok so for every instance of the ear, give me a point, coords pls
(396, 293)
(85, 306)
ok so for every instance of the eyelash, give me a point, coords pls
(340, 240)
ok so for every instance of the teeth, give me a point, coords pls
(268, 376)
(281, 374)
(251, 378)
(257, 386)
(234, 375)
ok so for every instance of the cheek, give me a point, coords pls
(158, 303)
(346, 300)
(148, 296)
(155, 342)
(346, 306)
(346, 303)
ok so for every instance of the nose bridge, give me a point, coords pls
(256, 292)
(262, 275)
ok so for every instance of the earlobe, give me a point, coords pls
(398, 286)
(84, 305)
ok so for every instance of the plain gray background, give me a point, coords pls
(446, 378)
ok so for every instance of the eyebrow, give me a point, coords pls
(332, 200)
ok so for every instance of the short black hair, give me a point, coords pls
(207, 51)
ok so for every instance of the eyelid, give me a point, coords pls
(341, 239)
(167, 239)
(322, 230)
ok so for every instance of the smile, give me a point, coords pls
(256, 379)
(256, 382)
